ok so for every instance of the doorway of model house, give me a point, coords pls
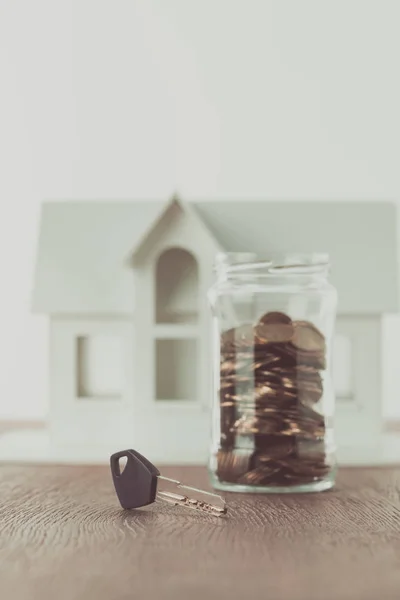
(176, 328)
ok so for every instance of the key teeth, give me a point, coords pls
(187, 498)
(204, 507)
(177, 500)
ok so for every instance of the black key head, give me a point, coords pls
(136, 485)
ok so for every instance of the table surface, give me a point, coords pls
(63, 535)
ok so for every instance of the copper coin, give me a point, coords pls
(236, 380)
(254, 426)
(234, 366)
(273, 447)
(268, 360)
(307, 371)
(258, 476)
(287, 354)
(311, 450)
(228, 367)
(266, 391)
(316, 360)
(275, 317)
(228, 417)
(305, 358)
(303, 373)
(227, 403)
(309, 396)
(256, 394)
(293, 428)
(310, 413)
(277, 398)
(256, 413)
(251, 397)
(273, 333)
(238, 337)
(307, 337)
(301, 428)
(314, 382)
(302, 422)
(270, 377)
(232, 464)
(300, 467)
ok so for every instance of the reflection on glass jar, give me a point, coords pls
(273, 401)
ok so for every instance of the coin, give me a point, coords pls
(275, 317)
(263, 362)
(308, 396)
(228, 367)
(238, 337)
(273, 333)
(236, 365)
(307, 337)
(232, 379)
(273, 447)
(232, 464)
(311, 450)
(287, 354)
(307, 412)
(258, 476)
(270, 377)
(307, 371)
(254, 426)
(302, 467)
(304, 358)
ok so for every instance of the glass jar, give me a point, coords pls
(273, 399)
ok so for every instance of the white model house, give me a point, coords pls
(129, 353)
(124, 285)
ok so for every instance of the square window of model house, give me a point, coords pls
(176, 369)
(99, 367)
(342, 367)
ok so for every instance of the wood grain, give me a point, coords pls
(63, 536)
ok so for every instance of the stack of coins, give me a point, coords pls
(270, 383)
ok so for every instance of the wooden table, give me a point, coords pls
(64, 537)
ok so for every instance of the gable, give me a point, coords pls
(178, 223)
(174, 261)
(85, 252)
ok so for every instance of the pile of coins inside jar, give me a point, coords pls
(270, 383)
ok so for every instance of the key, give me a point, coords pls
(138, 485)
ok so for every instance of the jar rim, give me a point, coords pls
(276, 264)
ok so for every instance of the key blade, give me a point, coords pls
(176, 493)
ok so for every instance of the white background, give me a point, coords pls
(213, 98)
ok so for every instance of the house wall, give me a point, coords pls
(228, 99)
(91, 381)
(359, 414)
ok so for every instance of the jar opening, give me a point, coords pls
(244, 263)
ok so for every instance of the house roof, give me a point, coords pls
(166, 215)
(85, 248)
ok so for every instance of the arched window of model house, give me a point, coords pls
(176, 287)
(176, 325)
